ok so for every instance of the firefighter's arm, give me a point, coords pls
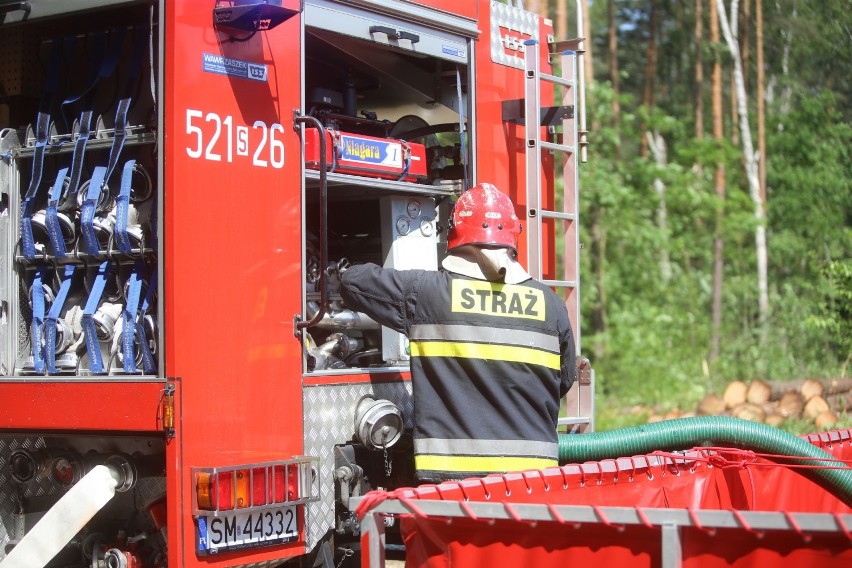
(568, 371)
(384, 294)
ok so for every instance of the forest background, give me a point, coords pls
(716, 202)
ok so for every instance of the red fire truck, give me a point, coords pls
(180, 382)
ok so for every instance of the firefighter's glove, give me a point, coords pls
(333, 273)
(337, 269)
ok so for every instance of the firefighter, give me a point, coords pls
(492, 351)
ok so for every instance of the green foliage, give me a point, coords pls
(801, 426)
(615, 417)
(833, 315)
(648, 332)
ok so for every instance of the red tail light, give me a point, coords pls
(256, 485)
(259, 486)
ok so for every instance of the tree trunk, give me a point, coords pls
(750, 166)
(598, 261)
(718, 243)
(786, 93)
(811, 387)
(533, 6)
(561, 19)
(735, 134)
(648, 99)
(588, 69)
(699, 69)
(745, 39)
(657, 145)
(613, 73)
(761, 104)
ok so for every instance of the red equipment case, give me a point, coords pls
(357, 154)
(703, 507)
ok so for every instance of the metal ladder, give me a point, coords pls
(580, 399)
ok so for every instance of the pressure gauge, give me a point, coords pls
(413, 209)
(426, 226)
(403, 226)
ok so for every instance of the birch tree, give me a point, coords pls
(761, 103)
(657, 147)
(749, 159)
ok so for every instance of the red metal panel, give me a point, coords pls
(82, 405)
(466, 8)
(233, 251)
(501, 147)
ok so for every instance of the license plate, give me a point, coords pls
(236, 530)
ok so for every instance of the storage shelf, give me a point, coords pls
(65, 144)
(379, 186)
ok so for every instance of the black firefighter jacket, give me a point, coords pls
(490, 363)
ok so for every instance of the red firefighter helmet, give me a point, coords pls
(484, 215)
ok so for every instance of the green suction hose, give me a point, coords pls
(686, 433)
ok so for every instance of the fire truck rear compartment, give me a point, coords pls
(390, 93)
(391, 82)
(361, 83)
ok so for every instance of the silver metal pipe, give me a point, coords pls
(580, 111)
(343, 319)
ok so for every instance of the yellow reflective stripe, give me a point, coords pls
(480, 463)
(463, 333)
(483, 351)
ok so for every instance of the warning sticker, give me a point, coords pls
(213, 63)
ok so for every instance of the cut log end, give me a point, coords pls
(759, 392)
(711, 405)
(735, 394)
(749, 411)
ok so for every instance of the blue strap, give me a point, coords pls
(42, 133)
(38, 321)
(131, 308)
(99, 68)
(87, 212)
(102, 64)
(84, 132)
(53, 316)
(27, 240)
(118, 140)
(122, 206)
(54, 231)
(140, 37)
(95, 57)
(149, 366)
(96, 364)
(119, 136)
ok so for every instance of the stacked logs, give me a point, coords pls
(772, 403)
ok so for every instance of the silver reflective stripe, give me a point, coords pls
(485, 447)
(481, 334)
